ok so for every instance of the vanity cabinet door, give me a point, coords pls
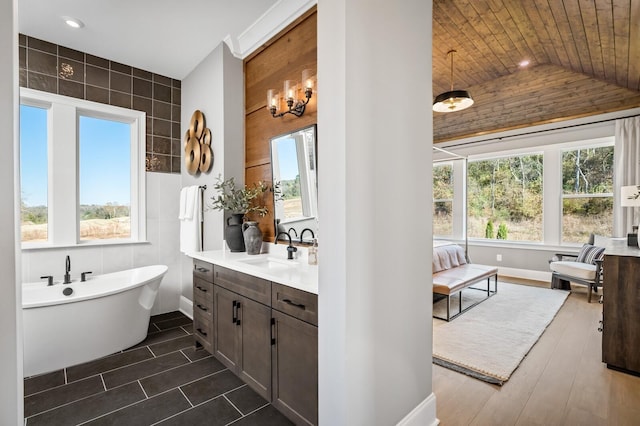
(226, 337)
(255, 336)
(294, 355)
(242, 339)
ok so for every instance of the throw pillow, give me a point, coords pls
(589, 254)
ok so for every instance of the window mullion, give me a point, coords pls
(63, 176)
(552, 200)
(459, 198)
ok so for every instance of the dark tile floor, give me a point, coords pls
(162, 380)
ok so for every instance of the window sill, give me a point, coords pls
(517, 245)
(47, 246)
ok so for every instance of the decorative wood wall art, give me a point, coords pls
(198, 154)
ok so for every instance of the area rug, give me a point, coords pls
(490, 340)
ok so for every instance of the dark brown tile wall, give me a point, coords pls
(58, 69)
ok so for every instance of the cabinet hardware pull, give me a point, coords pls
(199, 330)
(202, 307)
(297, 305)
(273, 326)
(234, 318)
(201, 269)
(237, 309)
(600, 326)
(201, 289)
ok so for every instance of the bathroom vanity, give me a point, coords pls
(258, 315)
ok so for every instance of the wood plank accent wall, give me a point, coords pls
(539, 95)
(282, 58)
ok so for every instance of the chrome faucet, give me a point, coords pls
(291, 249)
(67, 275)
(313, 236)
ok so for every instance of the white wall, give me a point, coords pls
(215, 87)
(11, 388)
(375, 126)
(162, 190)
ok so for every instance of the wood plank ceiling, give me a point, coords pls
(584, 59)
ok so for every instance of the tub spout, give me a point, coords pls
(67, 270)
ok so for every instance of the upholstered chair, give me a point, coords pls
(585, 268)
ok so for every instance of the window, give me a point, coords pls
(443, 199)
(88, 161)
(33, 177)
(587, 193)
(104, 178)
(505, 198)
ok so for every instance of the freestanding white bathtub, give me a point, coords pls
(105, 314)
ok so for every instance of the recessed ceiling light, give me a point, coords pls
(523, 63)
(73, 22)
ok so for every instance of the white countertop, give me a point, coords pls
(295, 273)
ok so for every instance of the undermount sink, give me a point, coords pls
(270, 263)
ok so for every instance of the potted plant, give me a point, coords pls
(240, 201)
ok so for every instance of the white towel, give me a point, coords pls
(190, 221)
(183, 202)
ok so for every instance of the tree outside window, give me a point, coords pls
(587, 193)
(505, 198)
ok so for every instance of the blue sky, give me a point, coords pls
(104, 159)
(33, 155)
(288, 159)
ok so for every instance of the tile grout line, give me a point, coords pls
(124, 407)
(248, 414)
(185, 396)
(104, 385)
(233, 405)
(143, 391)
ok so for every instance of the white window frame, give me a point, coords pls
(452, 200)
(552, 189)
(511, 154)
(563, 196)
(63, 175)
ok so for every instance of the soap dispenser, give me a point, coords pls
(313, 253)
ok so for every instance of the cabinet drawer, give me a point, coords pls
(203, 270)
(246, 285)
(203, 334)
(202, 308)
(202, 290)
(297, 303)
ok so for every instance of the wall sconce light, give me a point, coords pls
(295, 106)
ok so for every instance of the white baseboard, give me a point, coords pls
(423, 415)
(186, 307)
(525, 273)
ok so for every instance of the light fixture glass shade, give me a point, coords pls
(307, 79)
(289, 90)
(454, 100)
(630, 196)
(272, 100)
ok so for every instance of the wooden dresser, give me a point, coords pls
(621, 308)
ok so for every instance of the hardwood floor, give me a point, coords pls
(562, 381)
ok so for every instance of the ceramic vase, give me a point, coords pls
(252, 237)
(233, 233)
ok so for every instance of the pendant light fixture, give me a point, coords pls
(453, 100)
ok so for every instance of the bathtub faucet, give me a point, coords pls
(67, 275)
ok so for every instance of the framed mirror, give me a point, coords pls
(294, 170)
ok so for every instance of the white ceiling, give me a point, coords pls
(167, 37)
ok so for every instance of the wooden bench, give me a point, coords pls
(454, 280)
